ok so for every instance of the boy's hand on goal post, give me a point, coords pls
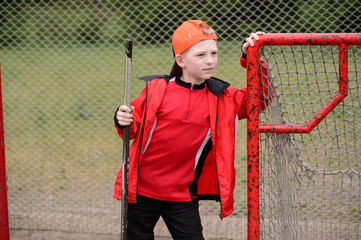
(249, 42)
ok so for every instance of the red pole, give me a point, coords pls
(4, 217)
(253, 142)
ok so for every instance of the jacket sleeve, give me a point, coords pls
(138, 104)
(240, 100)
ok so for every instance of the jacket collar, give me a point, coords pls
(214, 85)
(152, 77)
(180, 82)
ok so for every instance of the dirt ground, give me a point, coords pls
(52, 235)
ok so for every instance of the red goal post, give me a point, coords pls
(254, 128)
(4, 215)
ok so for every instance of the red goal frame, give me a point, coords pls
(4, 215)
(254, 128)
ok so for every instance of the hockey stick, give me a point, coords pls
(125, 163)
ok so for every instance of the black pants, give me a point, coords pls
(182, 219)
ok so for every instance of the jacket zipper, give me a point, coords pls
(215, 159)
(189, 103)
(141, 141)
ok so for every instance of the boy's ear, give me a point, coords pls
(179, 60)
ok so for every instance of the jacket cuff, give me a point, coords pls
(244, 55)
(116, 121)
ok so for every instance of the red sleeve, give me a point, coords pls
(240, 98)
(243, 62)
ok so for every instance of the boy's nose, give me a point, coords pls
(209, 59)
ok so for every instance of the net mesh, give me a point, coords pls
(310, 183)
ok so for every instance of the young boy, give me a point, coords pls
(184, 128)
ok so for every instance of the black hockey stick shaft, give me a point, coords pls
(125, 163)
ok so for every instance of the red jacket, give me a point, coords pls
(226, 106)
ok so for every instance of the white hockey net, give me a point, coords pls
(310, 183)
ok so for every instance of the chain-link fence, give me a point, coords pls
(62, 75)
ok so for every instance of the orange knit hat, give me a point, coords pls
(185, 36)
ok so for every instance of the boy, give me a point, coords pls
(184, 127)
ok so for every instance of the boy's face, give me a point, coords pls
(199, 61)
